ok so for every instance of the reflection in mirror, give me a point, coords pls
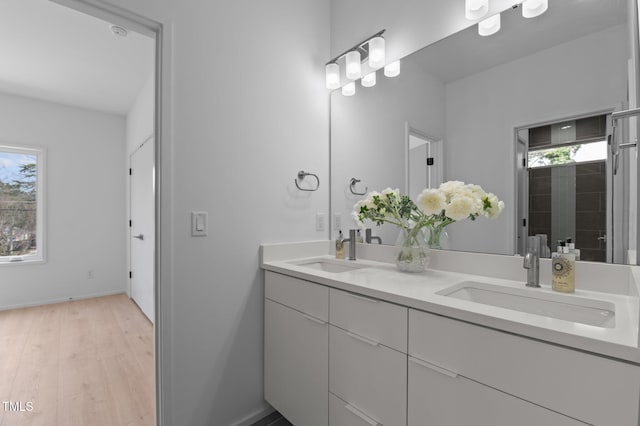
(468, 96)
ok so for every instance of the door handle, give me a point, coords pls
(139, 236)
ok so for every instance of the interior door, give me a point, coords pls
(142, 227)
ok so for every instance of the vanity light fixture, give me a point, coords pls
(332, 72)
(489, 26)
(377, 55)
(392, 69)
(475, 9)
(349, 89)
(354, 65)
(369, 80)
(371, 50)
(533, 8)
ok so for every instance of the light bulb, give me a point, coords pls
(376, 52)
(475, 9)
(349, 89)
(369, 80)
(392, 69)
(489, 26)
(332, 71)
(354, 69)
(533, 8)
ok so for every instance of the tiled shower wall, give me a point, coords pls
(591, 213)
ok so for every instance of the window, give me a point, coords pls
(578, 153)
(21, 204)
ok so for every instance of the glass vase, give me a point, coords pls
(412, 251)
(438, 238)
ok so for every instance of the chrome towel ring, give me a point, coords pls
(301, 175)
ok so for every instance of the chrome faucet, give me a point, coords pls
(368, 237)
(532, 262)
(352, 244)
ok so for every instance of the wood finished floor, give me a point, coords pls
(79, 363)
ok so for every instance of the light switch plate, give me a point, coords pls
(199, 224)
(319, 221)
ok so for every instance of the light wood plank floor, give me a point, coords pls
(79, 363)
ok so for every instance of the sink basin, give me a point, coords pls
(566, 307)
(328, 265)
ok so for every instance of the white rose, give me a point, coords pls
(460, 207)
(496, 206)
(369, 200)
(431, 201)
(451, 188)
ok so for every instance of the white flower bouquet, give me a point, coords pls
(434, 209)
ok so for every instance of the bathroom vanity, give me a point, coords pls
(464, 343)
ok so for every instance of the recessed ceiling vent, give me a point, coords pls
(118, 30)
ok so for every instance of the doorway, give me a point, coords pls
(99, 329)
(423, 162)
(564, 185)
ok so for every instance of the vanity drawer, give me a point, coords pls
(342, 413)
(301, 295)
(438, 397)
(567, 381)
(374, 319)
(368, 375)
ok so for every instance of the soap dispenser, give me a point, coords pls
(563, 272)
(572, 248)
(340, 246)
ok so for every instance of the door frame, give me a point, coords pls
(163, 36)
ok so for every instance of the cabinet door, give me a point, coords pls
(442, 398)
(369, 376)
(296, 377)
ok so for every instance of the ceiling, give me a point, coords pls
(466, 53)
(53, 53)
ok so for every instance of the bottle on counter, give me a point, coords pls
(563, 269)
(340, 246)
(572, 248)
(359, 238)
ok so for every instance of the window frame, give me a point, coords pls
(40, 154)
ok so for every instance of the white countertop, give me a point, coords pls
(383, 281)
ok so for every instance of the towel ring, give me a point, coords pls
(301, 176)
(352, 187)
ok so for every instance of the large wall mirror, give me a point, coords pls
(480, 107)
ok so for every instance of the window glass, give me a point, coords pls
(20, 204)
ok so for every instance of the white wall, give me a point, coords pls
(244, 110)
(368, 138)
(552, 84)
(84, 178)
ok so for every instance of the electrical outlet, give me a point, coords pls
(90, 274)
(319, 221)
(337, 221)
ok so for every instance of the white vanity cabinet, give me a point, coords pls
(463, 374)
(296, 349)
(367, 361)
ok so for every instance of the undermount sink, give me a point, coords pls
(328, 265)
(566, 307)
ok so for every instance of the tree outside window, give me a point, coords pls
(20, 204)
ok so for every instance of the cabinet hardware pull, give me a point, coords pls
(363, 298)
(363, 339)
(312, 319)
(361, 415)
(434, 367)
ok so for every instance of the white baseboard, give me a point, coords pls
(59, 300)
